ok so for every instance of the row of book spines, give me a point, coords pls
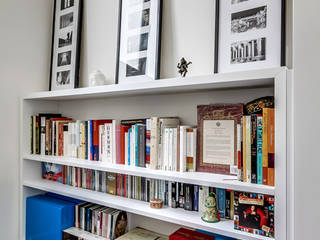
(175, 147)
(97, 219)
(176, 195)
(258, 148)
(65, 137)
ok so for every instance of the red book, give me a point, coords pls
(186, 234)
(118, 183)
(123, 130)
(125, 185)
(61, 140)
(95, 137)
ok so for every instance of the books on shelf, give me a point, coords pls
(173, 194)
(226, 141)
(100, 220)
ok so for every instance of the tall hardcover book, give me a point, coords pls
(95, 138)
(191, 151)
(271, 148)
(268, 146)
(222, 114)
(188, 199)
(141, 145)
(248, 148)
(253, 148)
(196, 198)
(259, 150)
(123, 130)
(221, 196)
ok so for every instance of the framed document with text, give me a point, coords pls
(218, 132)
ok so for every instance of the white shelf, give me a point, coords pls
(177, 216)
(199, 178)
(254, 78)
(83, 234)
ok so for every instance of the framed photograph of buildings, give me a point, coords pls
(138, 57)
(250, 34)
(66, 36)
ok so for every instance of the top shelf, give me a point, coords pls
(254, 78)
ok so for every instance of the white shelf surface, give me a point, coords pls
(83, 234)
(199, 178)
(253, 78)
(178, 216)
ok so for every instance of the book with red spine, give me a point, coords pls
(187, 234)
(95, 138)
(118, 184)
(54, 131)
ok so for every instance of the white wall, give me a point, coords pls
(187, 31)
(306, 35)
(24, 55)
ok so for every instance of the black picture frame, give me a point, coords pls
(282, 53)
(66, 44)
(139, 76)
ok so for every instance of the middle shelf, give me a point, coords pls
(198, 178)
(178, 216)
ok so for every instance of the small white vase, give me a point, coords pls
(97, 78)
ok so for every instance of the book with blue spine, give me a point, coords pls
(221, 196)
(91, 139)
(196, 198)
(259, 149)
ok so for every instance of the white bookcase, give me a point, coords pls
(166, 97)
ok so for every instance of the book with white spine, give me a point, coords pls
(183, 148)
(175, 150)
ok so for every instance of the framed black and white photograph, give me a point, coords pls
(250, 34)
(66, 37)
(138, 57)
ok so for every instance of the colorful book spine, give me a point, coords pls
(248, 148)
(253, 148)
(221, 196)
(265, 115)
(91, 139)
(271, 148)
(259, 150)
(148, 142)
(239, 140)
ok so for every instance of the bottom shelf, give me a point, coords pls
(172, 215)
(83, 234)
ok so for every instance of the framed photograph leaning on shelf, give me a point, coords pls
(250, 34)
(138, 57)
(65, 52)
